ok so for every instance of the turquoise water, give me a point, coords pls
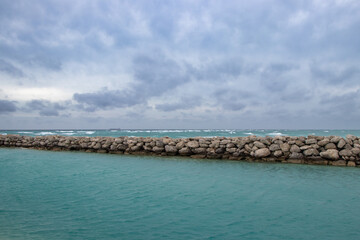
(69, 195)
(184, 133)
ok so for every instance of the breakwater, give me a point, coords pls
(332, 150)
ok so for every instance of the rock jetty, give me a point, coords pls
(332, 150)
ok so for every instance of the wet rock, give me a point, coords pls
(351, 164)
(331, 154)
(296, 155)
(338, 163)
(263, 152)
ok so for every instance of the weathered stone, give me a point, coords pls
(193, 144)
(335, 139)
(296, 161)
(330, 146)
(278, 153)
(311, 152)
(263, 152)
(198, 156)
(295, 148)
(323, 142)
(285, 147)
(274, 147)
(305, 147)
(185, 151)
(311, 141)
(180, 145)
(351, 164)
(351, 137)
(158, 149)
(171, 149)
(296, 155)
(299, 143)
(338, 163)
(331, 154)
(341, 143)
(259, 144)
(355, 151)
(199, 150)
(345, 153)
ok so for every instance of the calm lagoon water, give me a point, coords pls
(68, 195)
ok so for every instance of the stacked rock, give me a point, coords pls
(332, 150)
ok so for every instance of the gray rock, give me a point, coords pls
(170, 149)
(341, 143)
(323, 142)
(295, 148)
(330, 146)
(331, 154)
(185, 151)
(311, 152)
(158, 149)
(339, 163)
(274, 147)
(278, 153)
(263, 152)
(296, 155)
(259, 144)
(199, 150)
(311, 141)
(355, 151)
(285, 147)
(345, 153)
(335, 139)
(193, 144)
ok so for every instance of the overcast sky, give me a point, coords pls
(179, 64)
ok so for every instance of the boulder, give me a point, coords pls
(296, 155)
(331, 154)
(285, 147)
(330, 146)
(261, 153)
(170, 149)
(278, 153)
(345, 153)
(259, 144)
(341, 143)
(323, 142)
(311, 141)
(295, 148)
(339, 163)
(193, 144)
(185, 151)
(274, 147)
(311, 152)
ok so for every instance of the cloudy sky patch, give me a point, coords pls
(179, 64)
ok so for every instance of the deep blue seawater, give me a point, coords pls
(70, 195)
(184, 133)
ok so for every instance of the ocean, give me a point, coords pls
(183, 133)
(75, 195)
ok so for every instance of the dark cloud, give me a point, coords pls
(273, 79)
(45, 107)
(154, 75)
(10, 69)
(184, 103)
(7, 106)
(105, 99)
(343, 105)
(335, 76)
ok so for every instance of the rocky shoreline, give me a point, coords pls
(332, 150)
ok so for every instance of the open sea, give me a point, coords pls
(75, 195)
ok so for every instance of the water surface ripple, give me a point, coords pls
(66, 195)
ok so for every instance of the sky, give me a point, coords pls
(263, 64)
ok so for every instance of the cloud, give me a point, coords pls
(184, 103)
(7, 106)
(45, 107)
(10, 69)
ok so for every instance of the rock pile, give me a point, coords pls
(331, 150)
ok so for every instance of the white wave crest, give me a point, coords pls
(44, 133)
(25, 132)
